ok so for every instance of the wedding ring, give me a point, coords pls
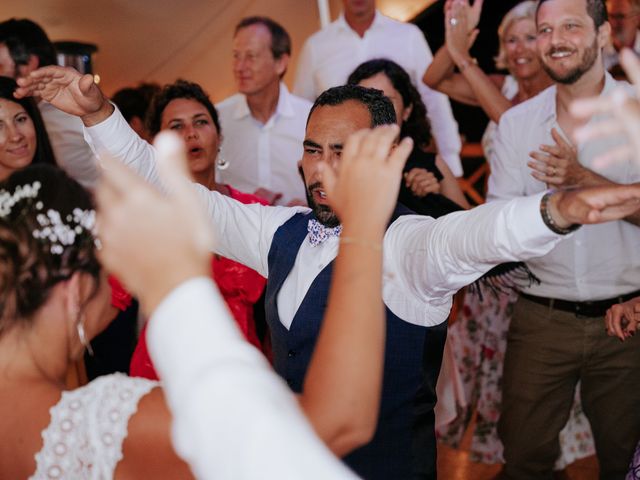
(453, 21)
(553, 171)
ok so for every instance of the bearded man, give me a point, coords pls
(557, 334)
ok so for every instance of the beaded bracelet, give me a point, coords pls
(548, 219)
(362, 243)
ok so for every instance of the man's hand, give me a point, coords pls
(557, 165)
(268, 195)
(594, 204)
(622, 117)
(67, 90)
(153, 242)
(421, 182)
(363, 190)
(622, 320)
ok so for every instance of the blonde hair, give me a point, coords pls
(522, 11)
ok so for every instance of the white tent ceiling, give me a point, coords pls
(161, 40)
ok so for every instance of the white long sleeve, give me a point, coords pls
(70, 148)
(233, 417)
(426, 261)
(444, 128)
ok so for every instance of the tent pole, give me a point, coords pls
(323, 10)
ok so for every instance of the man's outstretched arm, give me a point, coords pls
(435, 258)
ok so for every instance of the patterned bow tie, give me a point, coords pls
(318, 233)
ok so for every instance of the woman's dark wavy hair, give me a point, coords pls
(28, 268)
(44, 152)
(179, 89)
(416, 126)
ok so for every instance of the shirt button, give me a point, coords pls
(292, 353)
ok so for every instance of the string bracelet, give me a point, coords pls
(362, 243)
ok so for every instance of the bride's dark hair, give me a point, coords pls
(45, 237)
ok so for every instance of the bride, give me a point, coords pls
(54, 297)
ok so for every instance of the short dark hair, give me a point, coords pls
(596, 9)
(131, 102)
(379, 106)
(417, 125)
(280, 39)
(24, 38)
(44, 152)
(179, 89)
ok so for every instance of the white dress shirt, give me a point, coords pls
(598, 261)
(426, 261)
(70, 148)
(233, 417)
(330, 55)
(264, 155)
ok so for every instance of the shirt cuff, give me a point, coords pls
(454, 163)
(527, 221)
(114, 128)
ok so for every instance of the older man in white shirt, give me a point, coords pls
(362, 33)
(557, 335)
(263, 124)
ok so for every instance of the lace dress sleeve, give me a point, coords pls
(87, 429)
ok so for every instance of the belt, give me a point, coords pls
(597, 308)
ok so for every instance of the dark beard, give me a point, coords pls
(588, 59)
(323, 213)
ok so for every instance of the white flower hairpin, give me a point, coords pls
(63, 233)
(8, 200)
(58, 232)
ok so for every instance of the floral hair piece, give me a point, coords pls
(58, 232)
(8, 200)
(63, 233)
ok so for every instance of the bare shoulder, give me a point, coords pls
(21, 431)
(147, 450)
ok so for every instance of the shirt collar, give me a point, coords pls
(549, 108)
(284, 107)
(378, 21)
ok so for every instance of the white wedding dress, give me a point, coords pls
(87, 429)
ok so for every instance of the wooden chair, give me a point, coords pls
(480, 174)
